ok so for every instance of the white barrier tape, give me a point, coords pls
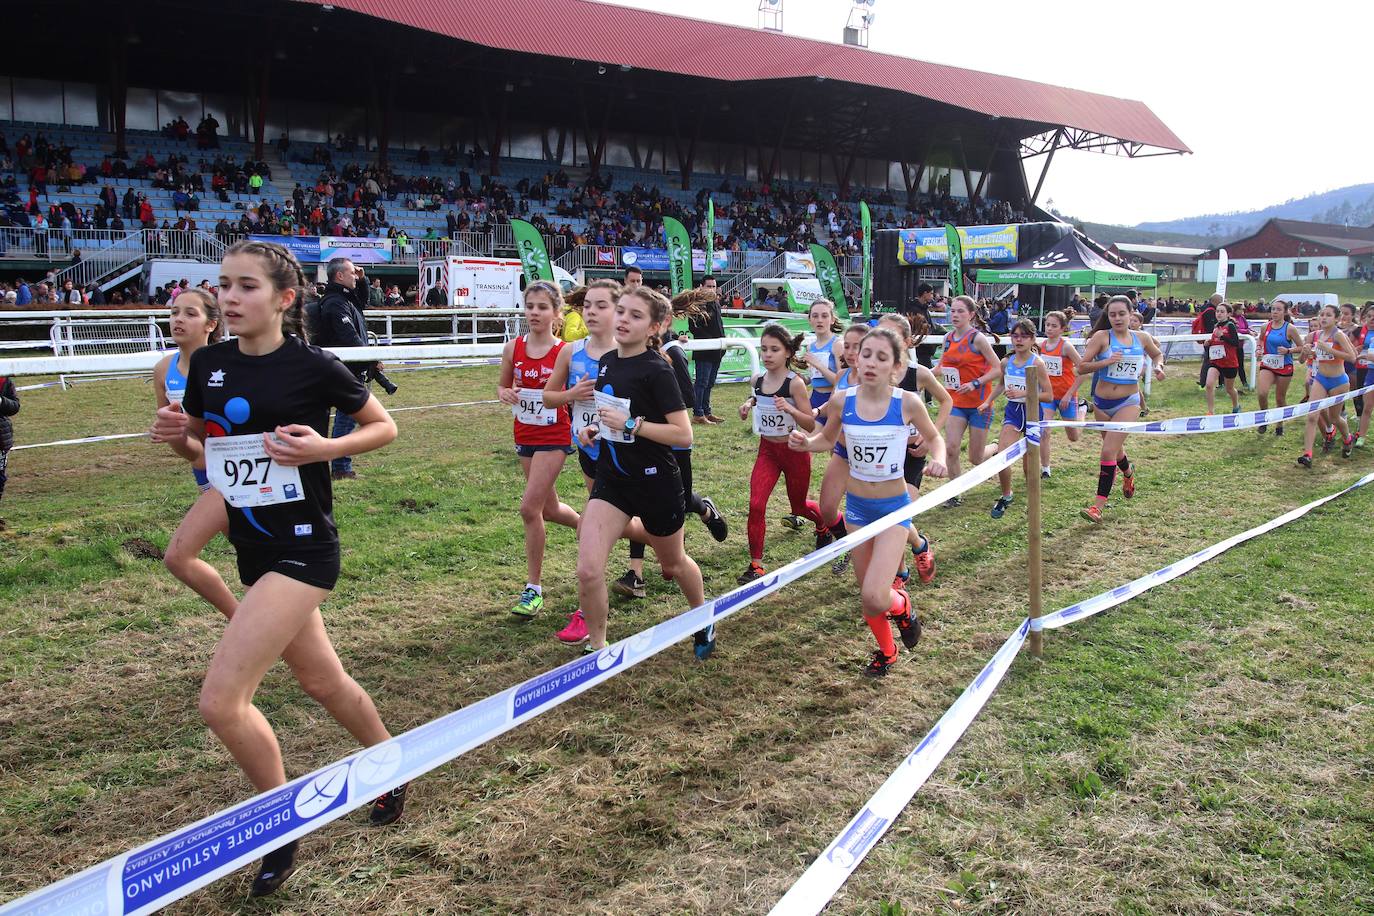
(1219, 423)
(88, 439)
(38, 386)
(115, 362)
(81, 441)
(819, 883)
(437, 406)
(1099, 603)
(170, 867)
(814, 890)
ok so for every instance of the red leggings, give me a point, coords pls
(775, 459)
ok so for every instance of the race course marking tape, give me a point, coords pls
(813, 891)
(1220, 423)
(170, 867)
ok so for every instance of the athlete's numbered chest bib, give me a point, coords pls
(612, 402)
(1054, 365)
(769, 421)
(583, 415)
(1127, 366)
(949, 376)
(530, 410)
(241, 470)
(876, 453)
(1216, 351)
(1272, 360)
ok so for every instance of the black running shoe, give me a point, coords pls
(954, 502)
(1305, 460)
(795, 522)
(629, 585)
(715, 522)
(1262, 429)
(275, 868)
(877, 666)
(1278, 429)
(1328, 441)
(840, 566)
(387, 809)
(824, 538)
(908, 624)
(999, 508)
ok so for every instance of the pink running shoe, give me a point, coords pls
(576, 630)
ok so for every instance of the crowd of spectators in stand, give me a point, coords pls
(51, 294)
(353, 200)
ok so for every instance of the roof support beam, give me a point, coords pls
(1058, 135)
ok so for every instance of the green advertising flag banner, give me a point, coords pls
(679, 255)
(868, 257)
(710, 236)
(534, 257)
(829, 276)
(956, 260)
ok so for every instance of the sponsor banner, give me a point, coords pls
(534, 259)
(982, 245)
(359, 251)
(802, 293)
(829, 276)
(313, 249)
(657, 259)
(605, 257)
(306, 248)
(798, 262)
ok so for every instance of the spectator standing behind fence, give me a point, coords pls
(9, 406)
(338, 322)
(707, 326)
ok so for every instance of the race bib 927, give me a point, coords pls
(241, 470)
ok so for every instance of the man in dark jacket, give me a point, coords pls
(338, 322)
(920, 306)
(9, 406)
(709, 326)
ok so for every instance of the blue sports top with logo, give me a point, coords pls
(876, 448)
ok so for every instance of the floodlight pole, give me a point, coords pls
(1033, 576)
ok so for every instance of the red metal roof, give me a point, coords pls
(623, 36)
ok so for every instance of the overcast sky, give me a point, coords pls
(1259, 94)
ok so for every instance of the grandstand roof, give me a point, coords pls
(625, 37)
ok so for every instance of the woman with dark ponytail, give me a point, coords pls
(257, 406)
(779, 404)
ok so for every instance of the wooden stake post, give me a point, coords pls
(1033, 504)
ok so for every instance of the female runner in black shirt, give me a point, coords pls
(642, 418)
(260, 403)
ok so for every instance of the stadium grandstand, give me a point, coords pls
(431, 125)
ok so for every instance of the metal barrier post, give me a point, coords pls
(1035, 639)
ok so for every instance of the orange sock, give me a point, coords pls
(898, 605)
(882, 630)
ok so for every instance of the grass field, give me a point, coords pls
(1347, 290)
(1207, 748)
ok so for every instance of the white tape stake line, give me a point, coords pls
(142, 435)
(818, 884)
(1099, 603)
(170, 867)
(1219, 423)
(81, 441)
